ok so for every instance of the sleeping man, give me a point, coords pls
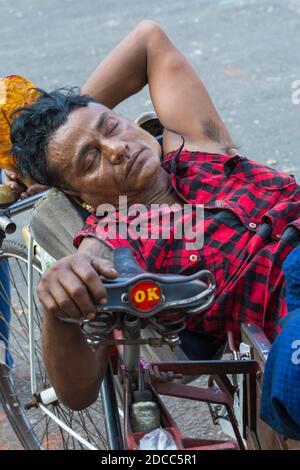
(76, 143)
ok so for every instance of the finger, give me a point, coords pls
(11, 174)
(35, 189)
(47, 300)
(90, 316)
(24, 195)
(66, 303)
(79, 293)
(16, 187)
(104, 267)
(63, 301)
(91, 279)
(53, 309)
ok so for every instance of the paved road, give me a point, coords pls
(245, 50)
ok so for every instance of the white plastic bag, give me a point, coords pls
(159, 439)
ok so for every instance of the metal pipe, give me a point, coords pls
(7, 225)
(132, 330)
(111, 412)
(23, 204)
(30, 316)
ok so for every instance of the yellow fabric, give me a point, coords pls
(15, 92)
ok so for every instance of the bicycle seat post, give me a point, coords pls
(132, 331)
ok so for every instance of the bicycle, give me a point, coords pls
(30, 402)
(17, 402)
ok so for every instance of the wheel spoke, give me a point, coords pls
(86, 423)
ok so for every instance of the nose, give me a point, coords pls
(116, 152)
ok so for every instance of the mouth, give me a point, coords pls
(132, 161)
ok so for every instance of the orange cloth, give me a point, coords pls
(15, 92)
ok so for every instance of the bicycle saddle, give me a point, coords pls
(144, 294)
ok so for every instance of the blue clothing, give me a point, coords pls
(280, 405)
(5, 308)
(291, 269)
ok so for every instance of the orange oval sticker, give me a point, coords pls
(145, 295)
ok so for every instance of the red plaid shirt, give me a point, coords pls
(251, 223)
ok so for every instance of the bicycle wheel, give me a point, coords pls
(43, 426)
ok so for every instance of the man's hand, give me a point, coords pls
(19, 188)
(72, 287)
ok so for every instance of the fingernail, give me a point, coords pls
(103, 301)
(90, 316)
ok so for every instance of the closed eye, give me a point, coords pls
(113, 127)
(90, 159)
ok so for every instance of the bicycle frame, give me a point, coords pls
(155, 373)
(252, 433)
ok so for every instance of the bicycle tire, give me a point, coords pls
(13, 392)
(10, 403)
(14, 412)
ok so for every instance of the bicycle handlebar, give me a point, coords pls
(6, 224)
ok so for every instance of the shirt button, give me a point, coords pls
(193, 258)
(252, 225)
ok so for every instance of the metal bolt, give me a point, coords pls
(124, 298)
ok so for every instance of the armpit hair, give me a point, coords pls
(212, 131)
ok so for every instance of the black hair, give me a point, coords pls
(212, 130)
(33, 128)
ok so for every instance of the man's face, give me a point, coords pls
(102, 156)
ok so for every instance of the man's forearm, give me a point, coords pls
(124, 71)
(72, 366)
(94, 247)
(75, 371)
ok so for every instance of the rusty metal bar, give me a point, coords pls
(207, 367)
(191, 393)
